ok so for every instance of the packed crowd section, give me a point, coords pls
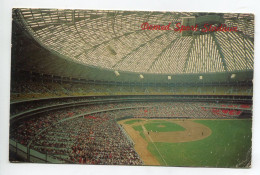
(20, 108)
(29, 105)
(224, 110)
(24, 130)
(90, 140)
(34, 89)
(181, 110)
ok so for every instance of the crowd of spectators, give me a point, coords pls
(24, 130)
(94, 137)
(35, 89)
(17, 108)
(180, 110)
(20, 107)
(92, 140)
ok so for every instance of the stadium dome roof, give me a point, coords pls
(114, 40)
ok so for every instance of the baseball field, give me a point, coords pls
(190, 142)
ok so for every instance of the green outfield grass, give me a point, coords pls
(132, 121)
(228, 146)
(167, 126)
(140, 130)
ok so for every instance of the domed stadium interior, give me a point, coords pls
(89, 86)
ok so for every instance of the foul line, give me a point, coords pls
(154, 145)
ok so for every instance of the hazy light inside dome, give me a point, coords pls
(169, 77)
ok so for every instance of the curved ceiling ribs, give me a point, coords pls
(112, 39)
(137, 48)
(220, 51)
(163, 51)
(187, 59)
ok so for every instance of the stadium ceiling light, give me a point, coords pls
(201, 77)
(117, 73)
(233, 75)
(169, 77)
(141, 76)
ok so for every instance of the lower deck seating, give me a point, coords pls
(96, 140)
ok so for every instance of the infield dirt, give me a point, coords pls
(193, 131)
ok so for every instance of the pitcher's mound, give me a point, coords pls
(193, 131)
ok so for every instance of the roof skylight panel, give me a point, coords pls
(230, 65)
(250, 60)
(28, 16)
(249, 44)
(238, 49)
(249, 55)
(25, 11)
